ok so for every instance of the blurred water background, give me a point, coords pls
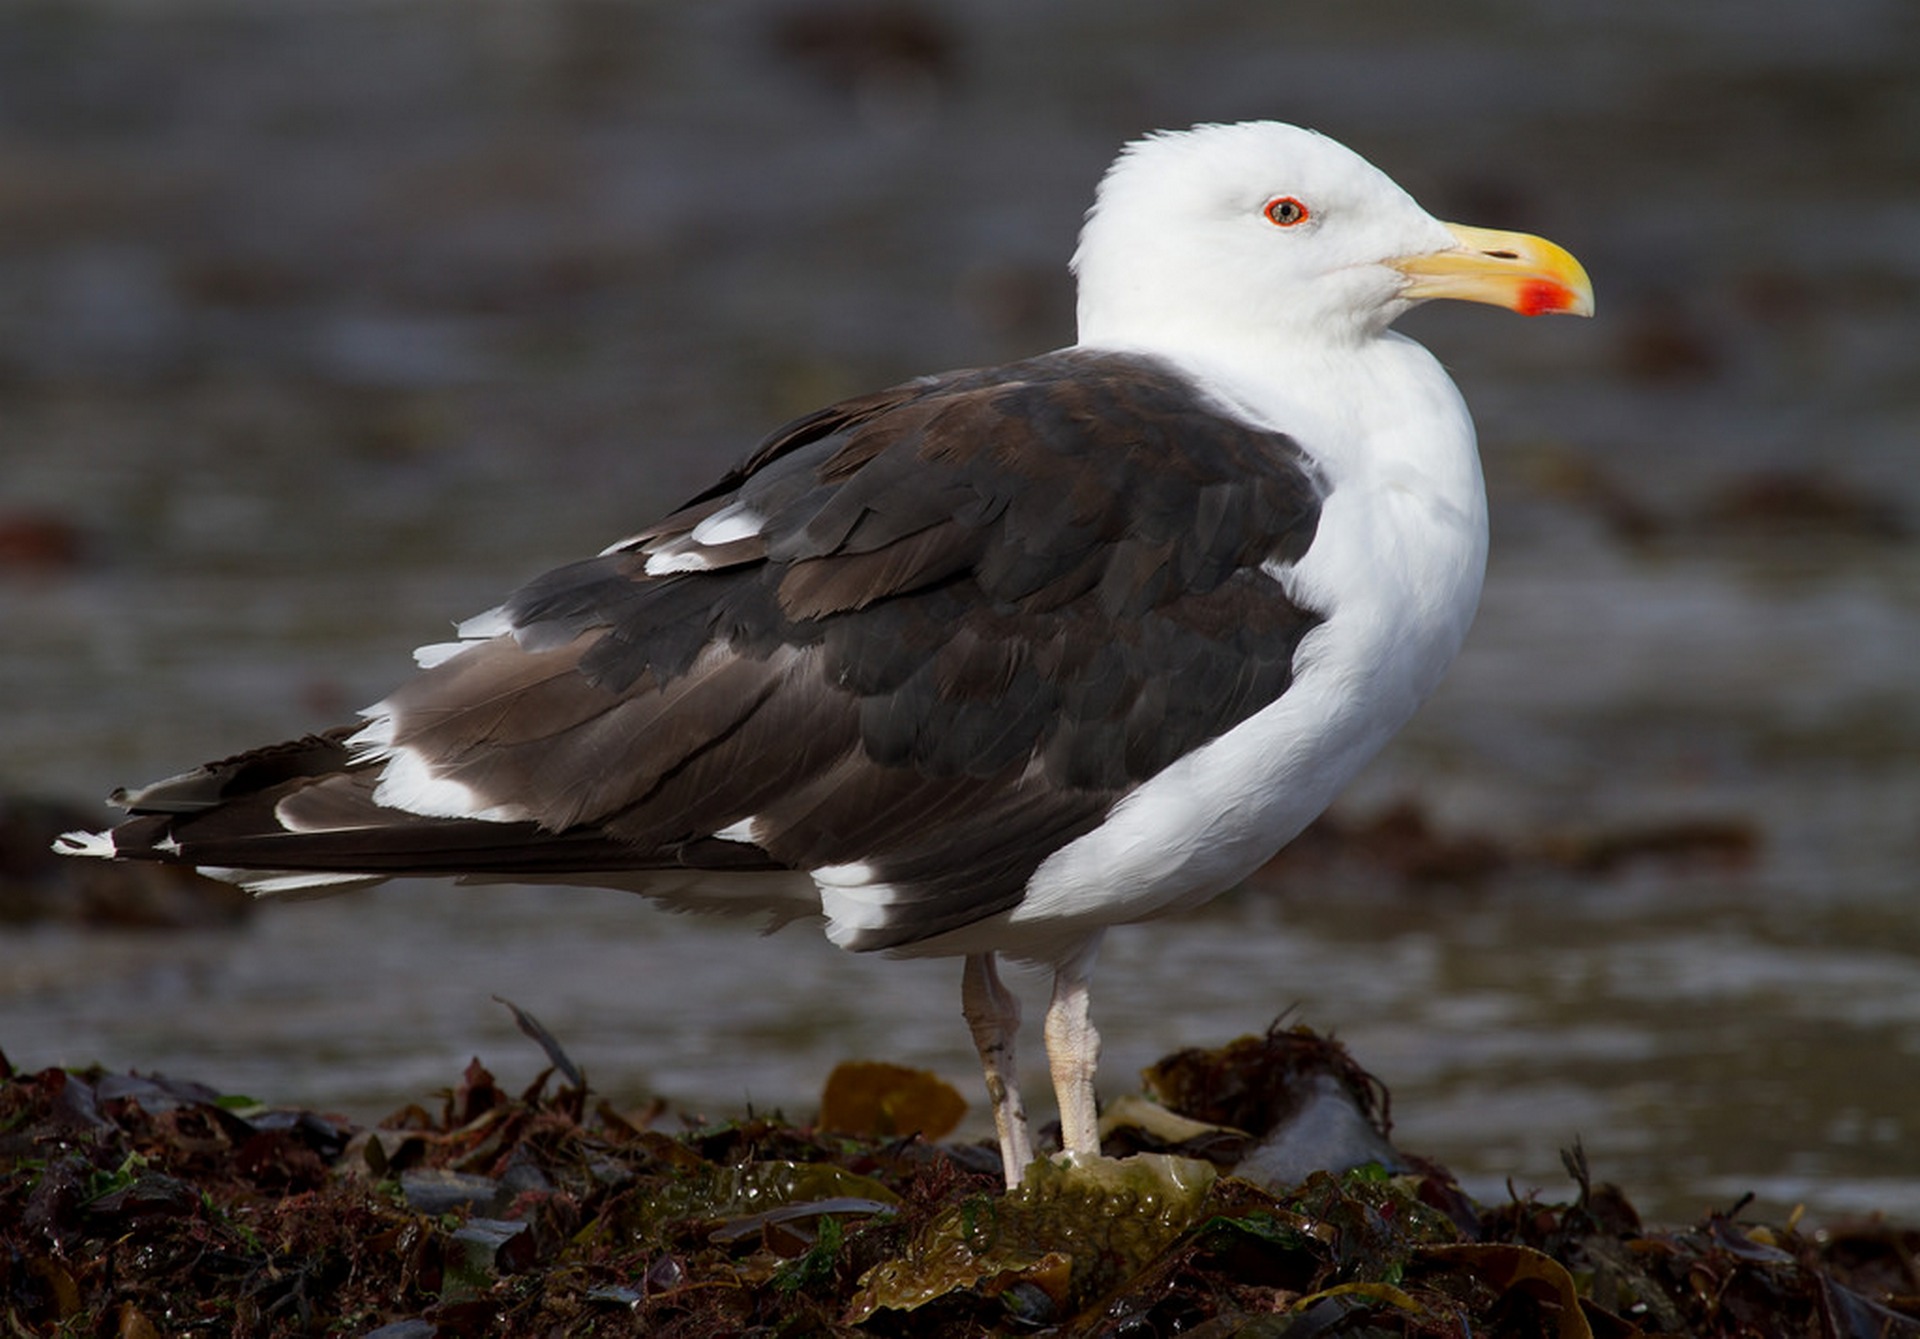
(324, 324)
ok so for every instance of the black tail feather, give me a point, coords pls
(233, 815)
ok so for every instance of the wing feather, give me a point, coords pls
(930, 634)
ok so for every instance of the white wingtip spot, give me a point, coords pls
(95, 845)
(482, 626)
(374, 740)
(740, 832)
(857, 875)
(621, 545)
(730, 523)
(665, 562)
(683, 554)
(854, 904)
(409, 784)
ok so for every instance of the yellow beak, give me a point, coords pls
(1524, 273)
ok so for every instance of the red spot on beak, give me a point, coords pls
(1539, 296)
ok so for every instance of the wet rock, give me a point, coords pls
(148, 1197)
(435, 1190)
(495, 1245)
(1261, 1083)
(404, 1329)
(1327, 1131)
(1271, 1110)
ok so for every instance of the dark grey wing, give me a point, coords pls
(937, 632)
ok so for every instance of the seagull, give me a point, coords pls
(984, 663)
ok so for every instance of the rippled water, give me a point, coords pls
(324, 327)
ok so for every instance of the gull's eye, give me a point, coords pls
(1285, 212)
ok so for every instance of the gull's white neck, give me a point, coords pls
(1374, 409)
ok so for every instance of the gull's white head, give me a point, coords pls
(1269, 231)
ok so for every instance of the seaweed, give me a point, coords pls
(134, 1205)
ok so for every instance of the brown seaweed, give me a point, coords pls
(139, 1205)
